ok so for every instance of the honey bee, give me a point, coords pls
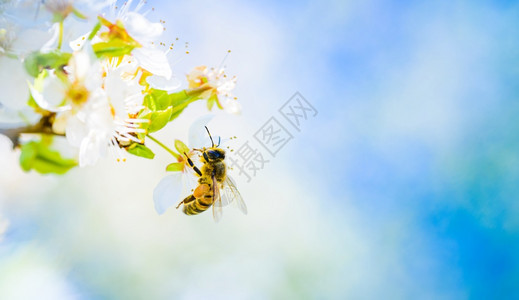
(215, 186)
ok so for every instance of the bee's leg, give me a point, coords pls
(192, 165)
(181, 202)
(186, 200)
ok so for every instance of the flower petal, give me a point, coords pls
(124, 95)
(31, 40)
(76, 131)
(53, 96)
(80, 64)
(17, 118)
(232, 106)
(141, 29)
(53, 36)
(225, 86)
(89, 151)
(154, 61)
(78, 43)
(13, 83)
(198, 137)
(161, 83)
(92, 148)
(167, 192)
(59, 125)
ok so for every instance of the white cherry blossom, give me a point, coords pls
(216, 83)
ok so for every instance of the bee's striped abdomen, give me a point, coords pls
(199, 201)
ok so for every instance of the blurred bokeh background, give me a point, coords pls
(404, 186)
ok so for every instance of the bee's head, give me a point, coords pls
(213, 155)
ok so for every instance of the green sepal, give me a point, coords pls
(175, 167)
(211, 101)
(181, 147)
(113, 48)
(37, 155)
(142, 135)
(32, 103)
(218, 102)
(141, 150)
(59, 17)
(37, 61)
(94, 31)
(79, 14)
(116, 41)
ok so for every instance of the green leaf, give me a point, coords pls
(175, 167)
(113, 48)
(28, 155)
(180, 100)
(181, 147)
(37, 61)
(179, 97)
(162, 105)
(157, 100)
(178, 109)
(141, 150)
(159, 119)
(37, 155)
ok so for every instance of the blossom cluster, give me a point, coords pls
(96, 74)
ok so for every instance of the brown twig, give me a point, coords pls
(43, 126)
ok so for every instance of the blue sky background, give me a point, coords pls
(403, 186)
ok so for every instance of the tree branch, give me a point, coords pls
(44, 126)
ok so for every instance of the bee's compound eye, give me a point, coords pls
(213, 154)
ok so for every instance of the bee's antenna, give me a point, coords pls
(212, 146)
(218, 142)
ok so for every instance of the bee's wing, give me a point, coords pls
(190, 181)
(232, 195)
(217, 201)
